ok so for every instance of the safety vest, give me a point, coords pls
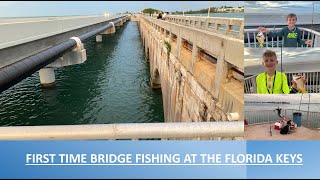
(279, 81)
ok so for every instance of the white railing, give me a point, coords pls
(312, 85)
(125, 131)
(232, 27)
(251, 41)
(309, 119)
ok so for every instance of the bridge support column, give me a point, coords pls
(110, 30)
(78, 55)
(194, 56)
(47, 77)
(99, 38)
(221, 71)
(155, 80)
(119, 23)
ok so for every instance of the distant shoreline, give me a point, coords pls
(271, 102)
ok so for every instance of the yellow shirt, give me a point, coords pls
(278, 84)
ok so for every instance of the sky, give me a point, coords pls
(282, 7)
(64, 8)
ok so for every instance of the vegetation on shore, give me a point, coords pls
(151, 11)
(222, 9)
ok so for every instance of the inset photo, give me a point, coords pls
(282, 70)
(282, 93)
(282, 117)
(282, 24)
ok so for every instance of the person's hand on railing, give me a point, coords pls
(263, 29)
(309, 42)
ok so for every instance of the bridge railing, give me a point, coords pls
(310, 119)
(251, 41)
(228, 26)
(226, 129)
(312, 85)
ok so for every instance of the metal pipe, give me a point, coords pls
(124, 131)
(14, 73)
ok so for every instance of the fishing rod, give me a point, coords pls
(312, 23)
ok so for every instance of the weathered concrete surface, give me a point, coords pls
(189, 84)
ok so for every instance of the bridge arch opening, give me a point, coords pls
(148, 55)
(155, 80)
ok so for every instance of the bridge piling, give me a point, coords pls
(98, 38)
(119, 23)
(47, 77)
(110, 30)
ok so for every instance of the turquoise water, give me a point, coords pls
(112, 86)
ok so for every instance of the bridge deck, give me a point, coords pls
(261, 132)
(17, 31)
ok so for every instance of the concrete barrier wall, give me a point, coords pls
(233, 27)
(193, 89)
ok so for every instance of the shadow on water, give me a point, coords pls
(112, 86)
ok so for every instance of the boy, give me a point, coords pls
(291, 34)
(272, 81)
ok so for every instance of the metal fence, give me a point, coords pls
(312, 85)
(251, 41)
(309, 119)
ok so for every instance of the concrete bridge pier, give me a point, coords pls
(119, 23)
(108, 31)
(47, 77)
(99, 38)
(77, 55)
(155, 80)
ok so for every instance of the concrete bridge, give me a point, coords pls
(199, 70)
(30, 44)
(197, 64)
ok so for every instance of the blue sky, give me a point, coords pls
(281, 6)
(62, 8)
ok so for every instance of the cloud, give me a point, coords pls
(279, 6)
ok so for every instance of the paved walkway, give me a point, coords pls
(262, 132)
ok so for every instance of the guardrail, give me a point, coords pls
(124, 131)
(232, 27)
(250, 38)
(310, 119)
(312, 85)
